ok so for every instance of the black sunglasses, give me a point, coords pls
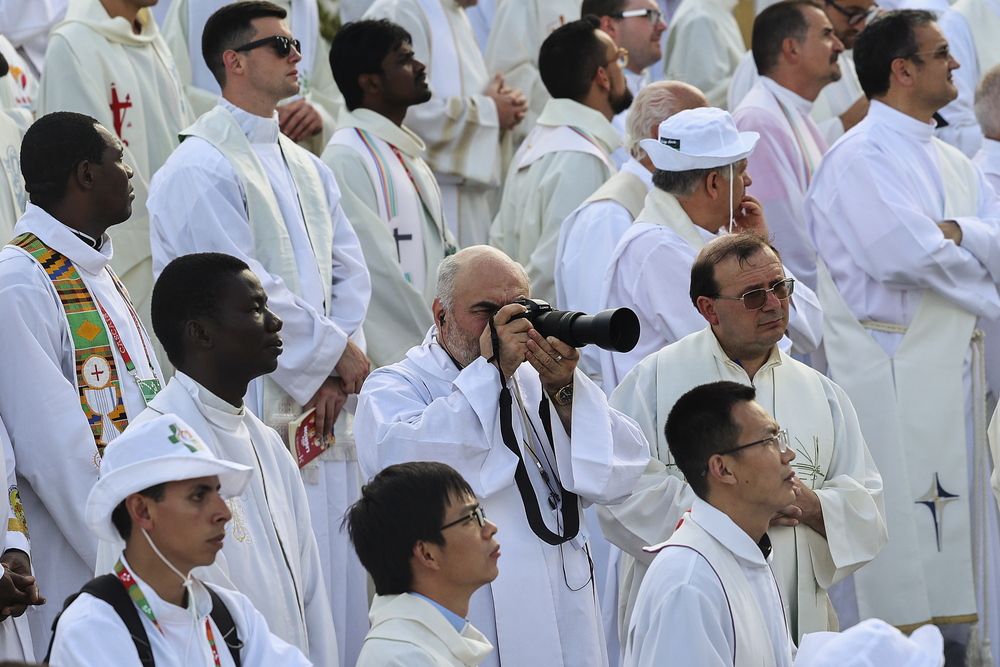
(282, 45)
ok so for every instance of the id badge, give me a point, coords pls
(149, 388)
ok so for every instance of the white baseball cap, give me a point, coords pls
(698, 139)
(872, 643)
(160, 450)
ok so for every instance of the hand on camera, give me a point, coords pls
(513, 337)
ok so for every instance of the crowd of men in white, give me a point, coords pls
(216, 222)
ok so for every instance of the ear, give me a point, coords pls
(790, 50)
(196, 333)
(425, 556)
(371, 84)
(233, 62)
(609, 26)
(85, 175)
(719, 471)
(601, 79)
(901, 71)
(706, 307)
(713, 184)
(439, 312)
(138, 510)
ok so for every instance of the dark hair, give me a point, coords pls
(701, 425)
(52, 149)
(570, 57)
(187, 289)
(888, 37)
(359, 48)
(742, 246)
(401, 505)
(120, 517)
(602, 7)
(684, 183)
(773, 26)
(230, 27)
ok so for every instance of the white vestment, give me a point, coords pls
(251, 184)
(988, 161)
(587, 239)
(703, 46)
(56, 457)
(15, 635)
(92, 634)
(831, 458)
(542, 609)
(519, 28)
(13, 198)
(183, 28)
(782, 165)
(459, 125)
(18, 88)
(380, 200)
(709, 599)
(564, 160)
(872, 209)
(970, 27)
(832, 101)
(97, 66)
(407, 631)
(27, 23)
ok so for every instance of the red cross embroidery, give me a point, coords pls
(97, 373)
(118, 108)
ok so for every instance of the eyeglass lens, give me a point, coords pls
(755, 299)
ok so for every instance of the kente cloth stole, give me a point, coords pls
(96, 375)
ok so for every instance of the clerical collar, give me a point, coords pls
(899, 122)
(765, 546)
(258, 130)
(88, 239)
(787, 97)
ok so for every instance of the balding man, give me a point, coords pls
(534, 440)
(988, 115)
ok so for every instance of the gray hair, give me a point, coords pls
(684, 183)
(652, 105)
(447, 273)
(987, 103)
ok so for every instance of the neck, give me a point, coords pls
(147, 566)
(598, 100)
(455, 601)
(749, 362)
(911, 108)
(251, 102)
(700, 215)
(224, 383)
(129, 12)
(393, 112)
(71, 215)
(806, 88)
(648, 164)
(749, 518)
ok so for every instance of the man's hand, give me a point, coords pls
(298, 120)
(855, 113)
(511, 103)
(749, 217)
(513, 338)
(17, 585)
(554, 360)
(806, 509)
(353, 367)
(328, 401)
(951, 231)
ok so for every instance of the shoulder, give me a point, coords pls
(382, 652)
(90, 630)
(19, 271)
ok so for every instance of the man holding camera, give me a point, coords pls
(533, 440)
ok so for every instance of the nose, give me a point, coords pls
(418, 66)
(489, 529)
(952, 63)
(274, 323)
(224, 513)
(747, 181)
(788, 455)
(838, 46)
(128, 170)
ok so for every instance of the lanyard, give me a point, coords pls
(149, 388)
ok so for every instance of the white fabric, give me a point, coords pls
(709, 599)
(518, 30)
(56, 458)
(460, 124)
(988, 161)
(92, 634)
(870, 643)
(408, 631)
(13, 198)
(700, 138)
(781, 167)
(703, 46)
(15, 635)
(831, 458)
(400, 307)
(424, 408)
(554, 170)
(19, 87)
(27, 23)
(635, 83)
(481, 17)
(970, 27)
(93, 61)
(833, 100)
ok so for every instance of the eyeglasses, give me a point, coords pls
(854, 18)
(941, 53)
(756, 298)
(621, 57)
(652, 15)
(282, 45)
(479, 514)
(780, 438)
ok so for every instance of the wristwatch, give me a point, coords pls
(564, 396)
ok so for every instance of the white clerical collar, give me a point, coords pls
(774, 359)
(787, 97)
(635, 168)
(259, 130)
(65, 240)
(217, 411)
(899, 122)
(725, 530)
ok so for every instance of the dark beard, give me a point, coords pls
(622, 102)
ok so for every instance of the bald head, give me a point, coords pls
(654, 104)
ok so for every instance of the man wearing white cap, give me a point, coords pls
(700, 183)
(163, 491)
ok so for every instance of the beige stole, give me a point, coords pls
(545, 139)
(623, 188)
(912, 413)
(984, 24)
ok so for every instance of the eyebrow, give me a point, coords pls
(485, 304)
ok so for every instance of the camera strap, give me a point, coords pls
(570, 505)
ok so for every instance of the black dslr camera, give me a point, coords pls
(613, 329)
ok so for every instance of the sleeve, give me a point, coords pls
(699, 58)
(90, 634)
(260, 645)
(216, 221)
(17, 529)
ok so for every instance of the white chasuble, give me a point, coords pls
(985, 26)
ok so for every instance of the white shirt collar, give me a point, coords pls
(787, 97)
(635, 168)
(899, 122)
(64, 240)
(259, 130)
(725, 530)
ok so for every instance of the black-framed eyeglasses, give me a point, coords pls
(282, 45)
(941, 53)
(479, 514)
(756, 298)
(854, 18)
(652, 15)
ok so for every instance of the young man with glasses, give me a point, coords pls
(835, 523)
(424, 538)
(710, 596)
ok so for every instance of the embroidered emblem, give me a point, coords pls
(239, 521)
(185, 438)
(17, 522)
(808, 469)
(935, 499)
(118, 109)
(96, 372)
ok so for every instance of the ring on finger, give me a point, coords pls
(557, 358)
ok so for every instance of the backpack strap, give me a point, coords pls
(224, 621)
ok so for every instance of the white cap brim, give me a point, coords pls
(670, 159)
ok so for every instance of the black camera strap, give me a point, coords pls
(570, 505)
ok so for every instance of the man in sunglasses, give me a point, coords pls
(710, 596)
(835, 523)
(428, 546)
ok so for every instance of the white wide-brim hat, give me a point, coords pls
(698, 139)
(872, 643)
(164, 449)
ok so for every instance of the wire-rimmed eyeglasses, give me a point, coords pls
(780, 438)
(854, 18)
(756, 298)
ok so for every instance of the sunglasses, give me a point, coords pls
(282, 45)
(755, 299)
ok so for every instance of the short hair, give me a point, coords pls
(359, 48)
(701, 424)
(52, 149)
(987, 104)
(773, 26)
(684, 183)
(570, 57)
(403, 504)
(447, 274)
(601, 8)
(120, 517)
(230, 27)
(886, 38)
(652, 105)
(742, 246)
(188, 289)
